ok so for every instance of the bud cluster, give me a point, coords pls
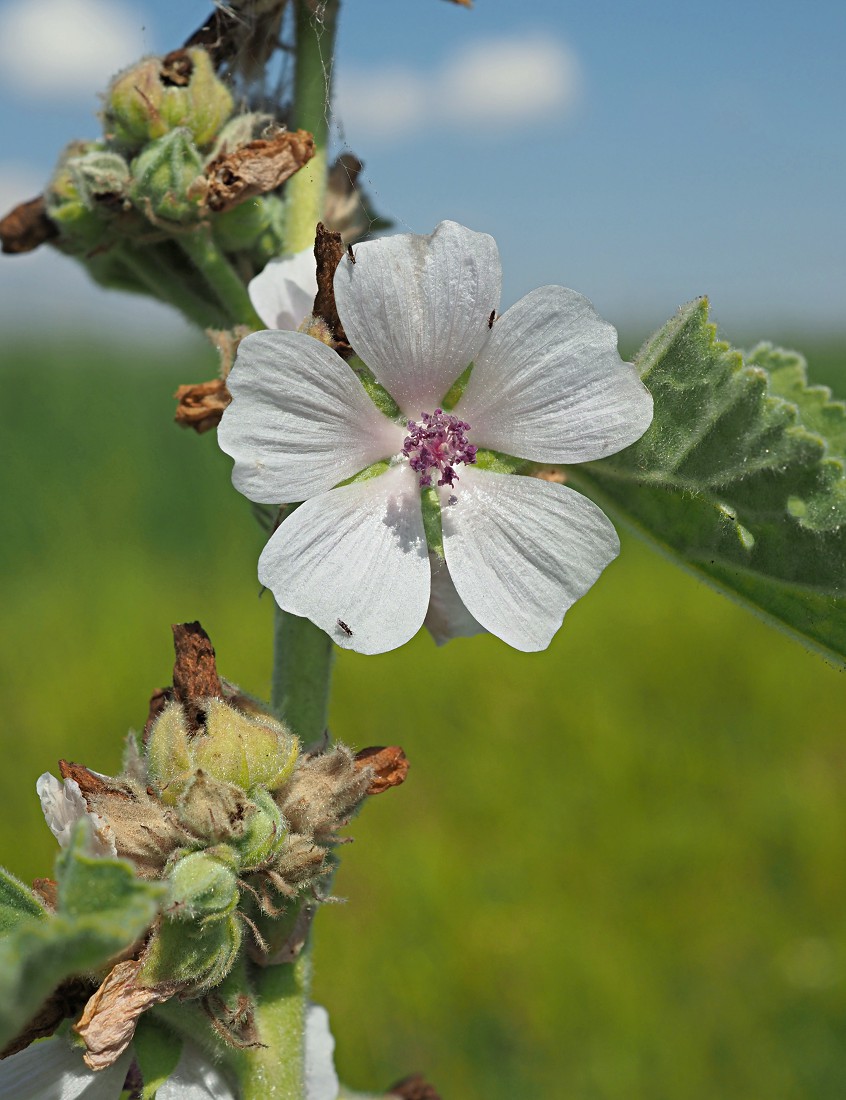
(222, 806)
(129, 203)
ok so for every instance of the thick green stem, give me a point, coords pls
(276, 1070)
(161, 281)
(303, 655)
(206, 255)
(306, 191)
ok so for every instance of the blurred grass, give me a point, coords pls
(618, 869)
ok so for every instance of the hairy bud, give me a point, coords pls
(159, 94)
(165, 175)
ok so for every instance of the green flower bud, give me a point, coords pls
(264, 832)
(165, 177)
(238, 229)
(249, 751)
(101, 179)
(169, 763)
(159, 94)
(81, 228)
(196, 956)
(271, 242)
(202, 887)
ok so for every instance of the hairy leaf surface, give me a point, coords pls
(741, 477)
(17, 902)
(102, 909)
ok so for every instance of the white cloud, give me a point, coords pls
(485, 84)
(66, 49)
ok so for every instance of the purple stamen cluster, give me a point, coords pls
(436, 444)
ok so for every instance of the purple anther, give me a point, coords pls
(436, 444)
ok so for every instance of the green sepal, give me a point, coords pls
(497, 462)
(740, 478)
(157, 1052)
(453, 394)
(169, 763)
(373, 470)
(196, 956)
(202, 887)
(102, 909)
(375, 391)
(264, 832)
(164, 179)
(430, 504)
(237, 748)
(142, 104)
(17, 902)
(238, 229)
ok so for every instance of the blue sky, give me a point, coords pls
(642, 154)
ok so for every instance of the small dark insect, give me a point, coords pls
(350, 253)
(492, 318)
(341, 622)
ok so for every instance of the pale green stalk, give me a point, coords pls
(302, 654)
(306, 191)
(276, 1070)
(158, 277)
(210, 260)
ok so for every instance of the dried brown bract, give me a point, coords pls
(328, 251)
(26, 227)
(389, 766)
(108, 1022)
(201, 405)
(256, 168)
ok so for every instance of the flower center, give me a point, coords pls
(435, 445)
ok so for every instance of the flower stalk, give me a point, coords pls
(306, 191)
(302, 653)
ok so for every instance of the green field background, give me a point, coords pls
(618, 868)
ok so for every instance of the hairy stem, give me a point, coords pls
(165, 284)
(303, 655)
(277, 1069)
(305, 192)
(206, 255)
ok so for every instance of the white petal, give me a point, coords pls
(550, 385)
(53, 1070)
(521, 551)
(355, 555)
(321, 1079)
(195, 1078)
(63, 804)
(416, 309)
(447, 616)
(283, 293)
(300, 420)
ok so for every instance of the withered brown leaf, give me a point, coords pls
(256, 168)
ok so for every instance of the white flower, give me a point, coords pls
(547, 385)
(54, 1070)
(63, 805)
(321, 1079)
(283, 293)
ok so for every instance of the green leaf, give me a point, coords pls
(741, 477)
(102, 909)
(17, 902)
